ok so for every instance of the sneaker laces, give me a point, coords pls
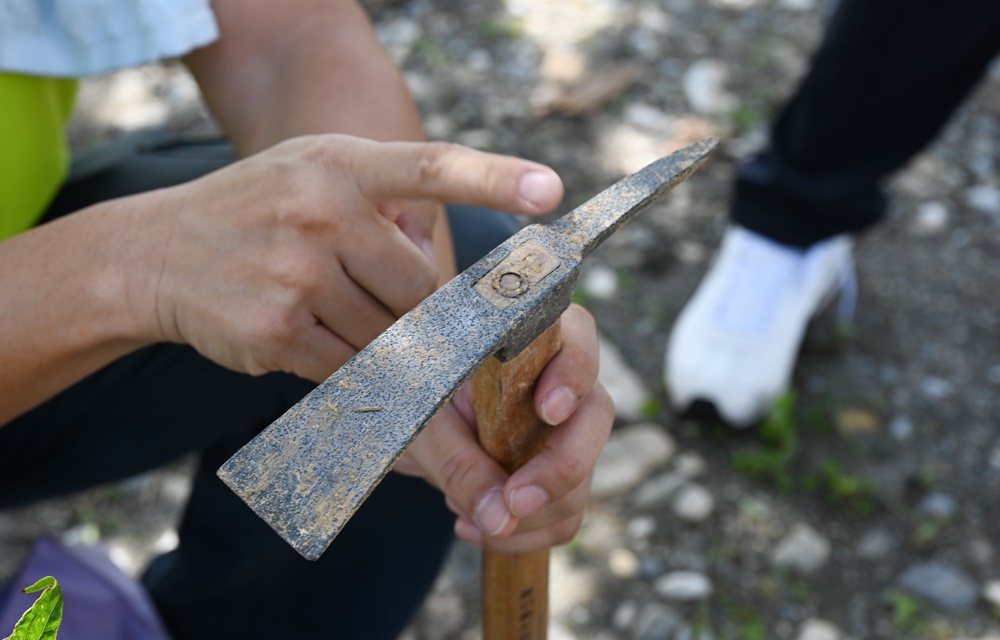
(766, 270)
(754, 289)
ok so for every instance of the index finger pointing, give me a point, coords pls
(452, 173)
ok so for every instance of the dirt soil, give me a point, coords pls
(888, 453)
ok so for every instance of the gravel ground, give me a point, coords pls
(866, 508)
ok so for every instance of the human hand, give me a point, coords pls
(296, 258)
(542, 503)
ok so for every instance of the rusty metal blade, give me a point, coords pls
(309, 471)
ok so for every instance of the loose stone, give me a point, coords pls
(938, 505)
(705, 87)
(803, 550)
(941, 584)
(816, 629)
(624, 385)
(991, 592)
(623, 563)
(658, 490)
(628, 457)
(600, 282)
(875, 544)
(693, 503)
(684, 585)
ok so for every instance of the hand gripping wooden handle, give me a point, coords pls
(515, 587)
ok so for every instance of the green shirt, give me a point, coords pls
(34, 154)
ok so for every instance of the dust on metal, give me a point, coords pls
(308, 472)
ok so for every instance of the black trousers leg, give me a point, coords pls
(231, 576)
(886, 78)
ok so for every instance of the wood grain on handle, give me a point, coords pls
(515, 587)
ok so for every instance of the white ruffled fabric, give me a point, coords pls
(72, 38)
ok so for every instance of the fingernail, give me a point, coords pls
(491, 515)
(527, 501)
(468, 531)
(428, 248)
(557, 405)
(538, 189)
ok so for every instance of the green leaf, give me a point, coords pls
(41, 621)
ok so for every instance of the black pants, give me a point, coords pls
(231, 576)
(886, 78)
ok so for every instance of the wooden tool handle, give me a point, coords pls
(515, 587)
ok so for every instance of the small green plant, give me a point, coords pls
(927, 531)
(843, 487)
(905, 610)
(580, 297)
(651, 407)
(746, 118)
(432, 51)
(41, 621)
(780, 442)
(495, 28)
(702, 616)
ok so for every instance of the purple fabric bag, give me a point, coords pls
(101, 602)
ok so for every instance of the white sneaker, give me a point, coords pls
(735, 342)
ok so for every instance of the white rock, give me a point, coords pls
(693, 503)
(629, 456)
(622, 383)
(658, 490)
(481, 139)
(935, 388)
(984, 197)
(130, 102)
(901, 428)
(798, 5)
(684, 585)
(991, 592)
(803, 550)
(705, 87)
(625, 614)
(690, 465)
(623, 563)
(735, 4)
(439, 126)
(641, 527)
(399, 36)
(479, 60)
(690, 252)
(816, 629)
(559, 631)
(645, 116)
(875, 544)
(600, 282)
(167, 541)
(931, 218)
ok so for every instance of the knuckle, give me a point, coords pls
(567, 472)
(455, 471)
(273, 327)
(423, 282)
(432, 161)
(564, 531)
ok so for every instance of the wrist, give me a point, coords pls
(136, 247)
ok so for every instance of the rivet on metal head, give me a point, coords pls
(511, 284)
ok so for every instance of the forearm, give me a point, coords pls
(281, 70)
(69, 297)
(301, 67)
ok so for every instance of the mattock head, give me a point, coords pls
(309, 471)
